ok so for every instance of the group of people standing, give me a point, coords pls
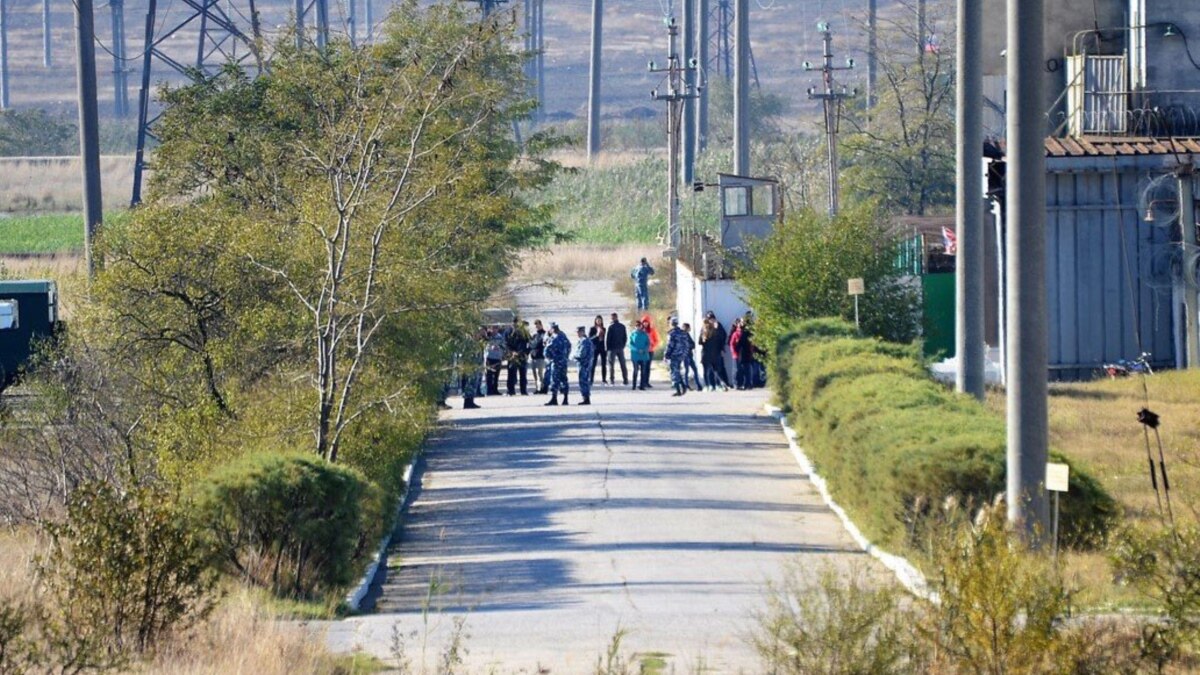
(543, 354)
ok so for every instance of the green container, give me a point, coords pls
(28, 313)
(937, 316)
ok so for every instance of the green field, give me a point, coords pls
(52, 233)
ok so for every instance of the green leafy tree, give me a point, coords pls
(801, 272)
(373, 192)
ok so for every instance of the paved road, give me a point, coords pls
(550, 529)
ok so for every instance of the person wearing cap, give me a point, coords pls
(676, 355)
(558, 350)
(641, 283)
(584, 354)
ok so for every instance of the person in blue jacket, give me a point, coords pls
(639, 354)
(641, 283)
(678, 350)
(558, 350)
(584, 354)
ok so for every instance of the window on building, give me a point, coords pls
(737, 201)
(8, 315)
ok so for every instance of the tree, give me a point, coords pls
(374, 187)
(901, 153)
(801, 270)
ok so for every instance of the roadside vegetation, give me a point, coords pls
(262, 350)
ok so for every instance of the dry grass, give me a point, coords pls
(239, 637)
(55, 184)
(576, 158)
(585, 261)
(1095, 423)
(65, 268)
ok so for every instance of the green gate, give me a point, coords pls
(937, 315)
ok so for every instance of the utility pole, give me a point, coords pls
(724, 30)
(47, 57)
(89, 124)
(1025, 277)
(922, 34)
(674, 96)
(4, 102)
(539, 25)
(968, 269)
(702, 11)
(352, 20)
(120, 73)
(689, 106)
(1187, 227)
(368, 21)
(831, 100)
(741, 89)
(593, 118)
(872, 52)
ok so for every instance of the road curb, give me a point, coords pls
(907, 574)
(356, 595)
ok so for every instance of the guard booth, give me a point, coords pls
(28, 313)
(705, 266)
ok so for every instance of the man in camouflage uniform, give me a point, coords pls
(641, 283)
(584, 354)
(676, 355)
(558, 350)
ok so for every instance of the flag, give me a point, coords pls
(950, 241)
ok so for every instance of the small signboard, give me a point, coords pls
(856, 286)
(1057, 477)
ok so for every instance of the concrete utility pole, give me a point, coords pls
(47, 38)
(872, 52)
(831, 100)
(120, 72)
(539, 16)
(89, 124)
(675, 96)
(689, 106)
(1187, 226)
(1025, 277)
(368, 21)
(741, 89)
(702, 10)
(4, 102)
(593, 119)
(922, 35)
(968, 269)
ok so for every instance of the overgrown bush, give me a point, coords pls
(801, 270)
(999, 609)
(124, 570)
(1164, 565)
(891, 441)
(287, 522)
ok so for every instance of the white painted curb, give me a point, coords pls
(908, 575)
(355, 597)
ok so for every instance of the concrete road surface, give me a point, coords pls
(546, 530)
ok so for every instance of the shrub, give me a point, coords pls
(1164, 565)
(124, 570)
(800, 272)
(891, 441)
(287, 522)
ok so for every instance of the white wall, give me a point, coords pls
(695, 297)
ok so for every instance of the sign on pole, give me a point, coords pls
(856, 287)
(1058, 479)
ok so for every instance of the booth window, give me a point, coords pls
(8, 315)
(737, 201)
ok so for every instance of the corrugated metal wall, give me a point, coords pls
(1108, 272)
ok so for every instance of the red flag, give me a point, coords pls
(950, 241)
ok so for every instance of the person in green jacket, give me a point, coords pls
(639, 354)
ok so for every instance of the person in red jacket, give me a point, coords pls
(735, 349)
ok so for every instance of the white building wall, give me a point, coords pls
(695, 297)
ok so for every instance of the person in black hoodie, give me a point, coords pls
(713, 339)
(537, 358)
(615, 340)
(599, 352)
